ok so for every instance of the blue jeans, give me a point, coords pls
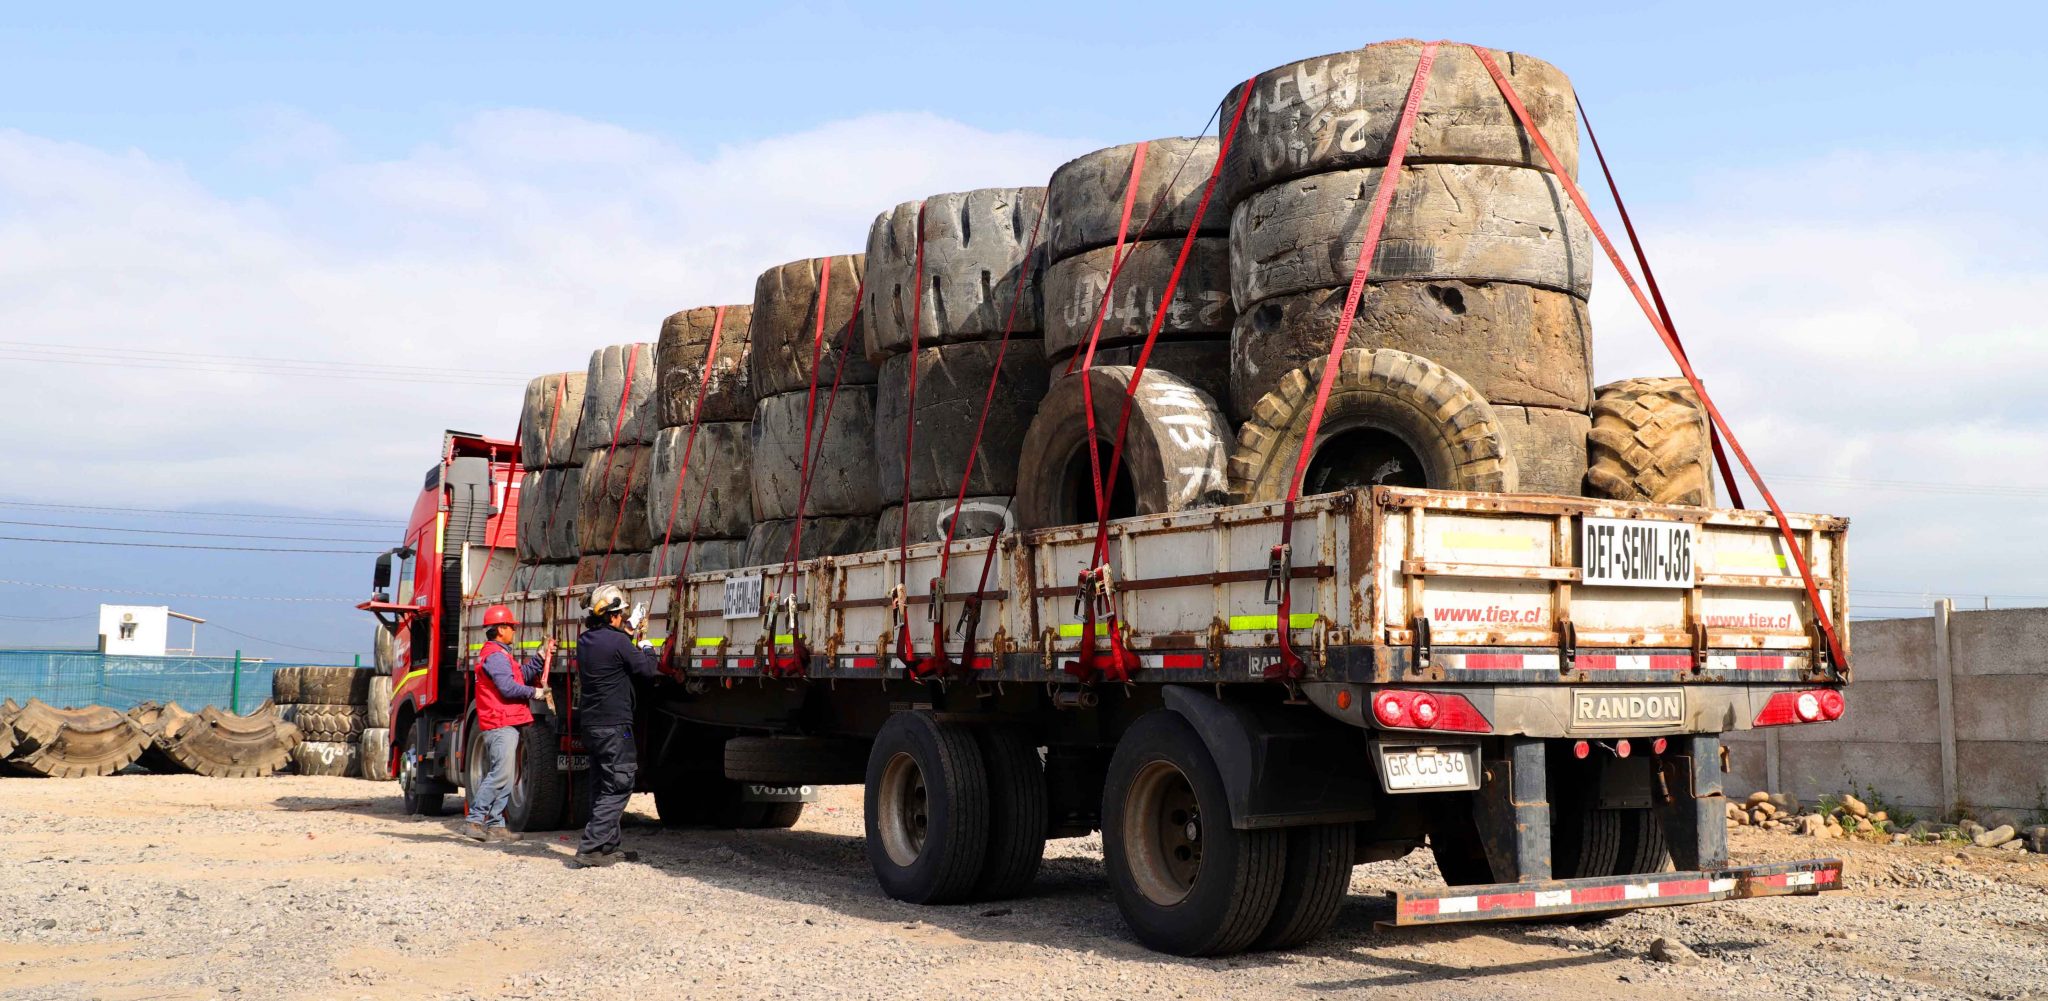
(487, 802)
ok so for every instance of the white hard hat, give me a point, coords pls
(606, 600)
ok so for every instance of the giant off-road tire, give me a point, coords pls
(952, 386)
(618, 398)
(926, 809)
(8, 738)
(842, 447)
(223, 745)
(332, 758)
(1649, 443)
(703, 556)
(1514, 343)
(789, 761)
(1201, 363)
(974, 252)
(1339, 111)
(1456, 221)
(543, 576)
(373, 751)
(284, 685)
(347, 686)
(611, 515)
(1549, 448)
(1200, 307)
(379, 703)
(549, 502)
(329, 723)
(1392, 419)
(75, 743)
(1174, 455)
(1018, 818)
(1185, 880)
(768, 543)
(548, 420)
(980, 517)
(1085, 198)
(610, 568)
(679, 366)
(784, 328)
(715, 496)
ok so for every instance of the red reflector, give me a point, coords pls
(1580, 749)
(1621, 748)
(1344, 699)
(1831, 704)
(1657, 746)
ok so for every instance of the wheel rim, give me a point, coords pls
(903, 808)
(409, 773)
(1162, 827)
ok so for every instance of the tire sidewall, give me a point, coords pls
(914, 733)
(1187, 927)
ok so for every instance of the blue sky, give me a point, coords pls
(1841, 201)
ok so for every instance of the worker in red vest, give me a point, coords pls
(503, 696)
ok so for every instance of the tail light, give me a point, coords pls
(1428, 711)
(1813, 706)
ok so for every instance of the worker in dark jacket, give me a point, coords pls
(608, 660)
(503, 691)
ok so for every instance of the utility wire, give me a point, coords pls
(247, 515)
(294, 646)
(174, 531)
(75, 354)
(177, 545)
(49, 585)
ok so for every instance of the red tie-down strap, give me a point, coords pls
(618, 424)
(1664, 333)
(906, 649)
(669, 659)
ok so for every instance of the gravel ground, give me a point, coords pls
(149, 886)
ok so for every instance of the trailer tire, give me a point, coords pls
(334, 686)
(327, 757)
(926, 809)
(534, 802)
(1649, 442)
(779, 816)
(1175, 452)
(821, 761)
(321, 723)
(1643, 846)
(1163, 807)
(1444, 434)
(1018, 818)
(1318, 875)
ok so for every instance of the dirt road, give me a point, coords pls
(158, 887)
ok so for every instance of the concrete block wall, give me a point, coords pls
(1944, 712)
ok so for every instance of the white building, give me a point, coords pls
(143, 630)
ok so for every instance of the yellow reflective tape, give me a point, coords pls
(1754, 561)
(710, 640)
(1248, 623)
(658, 641)
(784, 638)
(1076, 629)
(1484, 540)
(408, 677)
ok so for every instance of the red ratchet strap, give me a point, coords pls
(668, 652)
(1289, 666)
(906, 650)
(970, 616)
(1650, 278)
(1820, 614)
(612, 451)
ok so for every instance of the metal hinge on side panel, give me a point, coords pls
(1699, 647)
(1418, 630)
(1567, 646)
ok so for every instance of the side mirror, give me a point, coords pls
(381, 579)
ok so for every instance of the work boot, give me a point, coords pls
(474, 831)
(497, 834)
(595, 860)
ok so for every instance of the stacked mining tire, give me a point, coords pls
(1084, 209)
(981, 278)
(702, 516)
(615, 438)
(331, 708)
(550, 491)
(1482, 271)
(784, 353)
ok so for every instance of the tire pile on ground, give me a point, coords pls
(976, 249)
(708, 513)
(550, 492)
(332, 708)
(839, 515)
(615, 435)
(39, 739)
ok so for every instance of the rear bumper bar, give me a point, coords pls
(1503, 901)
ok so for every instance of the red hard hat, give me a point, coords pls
(498, 615)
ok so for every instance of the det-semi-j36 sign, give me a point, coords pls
(1625, 552)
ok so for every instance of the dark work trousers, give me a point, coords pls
(613, 762)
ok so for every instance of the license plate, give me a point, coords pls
(1428, 769)
(1602, 709)
(1627, 552)
(571, 762)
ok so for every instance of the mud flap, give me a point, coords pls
(1280, 768)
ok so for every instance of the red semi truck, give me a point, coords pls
(1531, 687)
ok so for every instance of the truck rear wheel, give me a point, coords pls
(1186, 881)
(1318, 874)
(927, 809)
(535, 803)
(422, 796)
(1017, 820)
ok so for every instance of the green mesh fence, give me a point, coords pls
(73, 678)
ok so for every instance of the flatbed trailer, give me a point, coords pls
(1533, 687)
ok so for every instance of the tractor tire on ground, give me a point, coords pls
(1549, 448)
(1017, 820)
(326, 723)
(611, 513)
(768, 543)
(842, 454)
(548, 420)
(1513, 343)
(926, 809)
(611, 568)
(1201, 363)
(220, 745)
(1084, 201)
(373, 752)
(617, 409)
(1174, 457)
(718, 492)
(1200, 306)
(1312, 889)
(332, 758)
(1454, 221)
(1401, 420)
(952, 385)
(784, 327)
(8, 738)
(341, 686)
(790, 761)
(1649, 443)
(1339, 111)
(284, 685)
(74, 743)
(1185, 880)
(980, 517)
(705, 556)
(380, 700)
(679, 367)
(974, 249)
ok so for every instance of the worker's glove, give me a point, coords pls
(647, 645)
(638, 617)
